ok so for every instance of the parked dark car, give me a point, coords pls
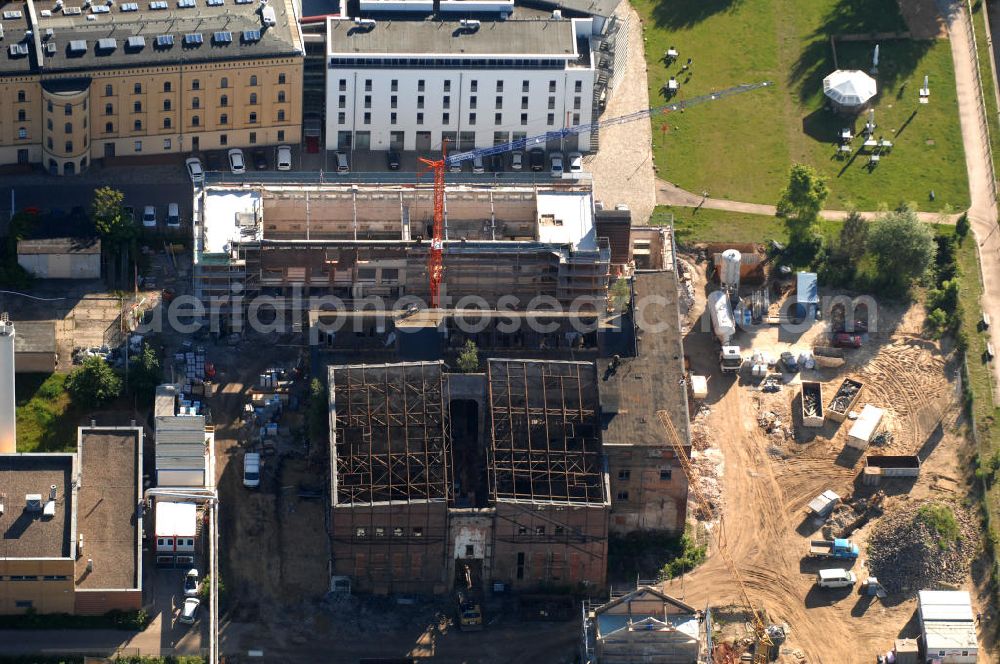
(791, 364)
(392, 160)
(496, 163)
(537, 159)
(846, 340)
(259, 160)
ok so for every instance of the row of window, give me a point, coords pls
(109, 127)
(445, 102)
(109, 89)
(625, 474)
(446, 85)
(366, 118)
(540, 530)
(379, 531)
(169, 541)
(223, 141)
(55, 577)
(109, 109)
(69, 144)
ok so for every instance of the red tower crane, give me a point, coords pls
(435, 259)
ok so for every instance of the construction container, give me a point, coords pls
(812, 404)
(828, 356)
(699, 386)
(907, 651)
(865, 427)
(847, 396)
(878, 466)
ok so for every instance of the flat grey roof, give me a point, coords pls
(540, 38)
(603, 8)
(35, 337)
(108, 497)
(117, 25)
(59, 245)
(29, 534)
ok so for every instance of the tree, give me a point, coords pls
(903, 248)
(144, 374)
(840, 266)
(116, 230)
(962, 226)
(468, 359)
(318, 413)
(94, 384)
(801, 202)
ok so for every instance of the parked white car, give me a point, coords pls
(477, 164)
(251, 470)
(149, 216)
(192, 583)
(516, 160)
(575, 162)
(195, 170)
(189, 612)
(236, 163)
(342, 165)
(284, 158)
(173, 216)
(556, 165)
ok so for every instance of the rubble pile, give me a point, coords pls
(701, 436)
(906, 555)
(810, 404)
(775, 425)
(842, 400)
(708, 466)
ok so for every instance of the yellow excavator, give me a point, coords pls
(469, 606)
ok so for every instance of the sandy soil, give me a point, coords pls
(922, 19)
(769, 479)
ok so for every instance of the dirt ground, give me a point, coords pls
(769, 478)
(923, 19)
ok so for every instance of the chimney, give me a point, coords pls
(52, 491)
(8, 432)
(90, 564)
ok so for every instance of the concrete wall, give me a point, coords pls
(35, 362)
(641, 499)
(43, 585)
(98, 602)
(62, 266)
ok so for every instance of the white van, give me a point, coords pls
(173, 216)
(251, 470)
(835, 578)
(284, 157)
(149, 216)
(342, 165)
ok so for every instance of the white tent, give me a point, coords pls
(849, 88)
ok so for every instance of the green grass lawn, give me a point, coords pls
(741, 147)
(46, 420)
(986, 73)
(693, 226)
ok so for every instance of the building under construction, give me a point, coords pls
(442, 481)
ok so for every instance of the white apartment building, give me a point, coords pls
(410, 83)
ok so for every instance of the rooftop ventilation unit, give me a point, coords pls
(215, 3)
(107, 45)
(250, 36)
(267, 16)
(470, 24)
(130, 7)
(164, 41)
(49, 510)
(135, 43)
(18, 50)
(33, 502)
(49, 34)
(243, 2)
(100, 9)
(222, 37)
(185, 4)
(58, 5)
(46, 13)
(72, 11)
(77, 47)
(158, 4)
(365, 23)
(12, 14)
(53, 491)
(87, 3)
(193, 39)
(50, 48)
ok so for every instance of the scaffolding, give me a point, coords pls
(390, 431)
(545, 444)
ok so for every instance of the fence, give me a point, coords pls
(984, 127)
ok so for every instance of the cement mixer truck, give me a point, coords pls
(724, 327)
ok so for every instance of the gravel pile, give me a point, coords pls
(906, 556)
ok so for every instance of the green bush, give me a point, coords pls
(123, 620)
(941, 520)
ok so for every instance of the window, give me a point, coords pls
(576, 118)
(420, 85)
(552, 103)
(469, 551)
(55, 578)
(49, 105)
(224, 101)
(560, 530)
(342, 101)
(418, 532)
(253, 80)
(500, 86)
(195, 102)
(524, 103)
(446, 101)
(445, 118)
(578, 87)
(281, 96)
(68, 128)
(622, 495)
(420, 118)
(224, 83)
(447, 86)
(22, 115)
(50, 142)
(224, 119)
(223, 139)
(253, 98)
(195, 121)
(551, 119)
(393, 101)
(392, 118)
(472, 118)
(342, 84)
(21, 95)
(22, 132)
(473, 85)
(498, 118)
(552, 86)
(397, 532)
(108, 90)
(253, 118)
(624, 474)
(520, 564)
(472, 101)
(196, 84)
(361, 532)
(499, 102)
(368, 118)
(379, 531)
(368, 85)
(23, 603)
(166, 123)
(666, 474)
(394, 85)
(420, 101)
(68, 109)
(166, 104)
(281, 134)
(49, 124)
(368, 101)
(576, 103)
(525, 86)
(69, 146)
(166, 86)
(524, 119)
(137, 107)
(341, 118)
(109, 109)
(109, 128)
(137, 125)
(166, 146)
(281, 116)
(281, 79)
(522, 530)
(539, 530)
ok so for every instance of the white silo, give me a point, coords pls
(8, 432)
(730, 270)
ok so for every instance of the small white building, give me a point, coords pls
(865, 427)
(947, 626)
(403, 82)
(176, 528)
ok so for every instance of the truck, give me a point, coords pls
(812, 404)
(723, 323)
(730, 359)
(842, 549)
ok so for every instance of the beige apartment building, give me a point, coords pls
(137, 79)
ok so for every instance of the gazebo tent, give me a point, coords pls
(849, 90)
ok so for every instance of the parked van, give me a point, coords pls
(835, 578)
(251, 470)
